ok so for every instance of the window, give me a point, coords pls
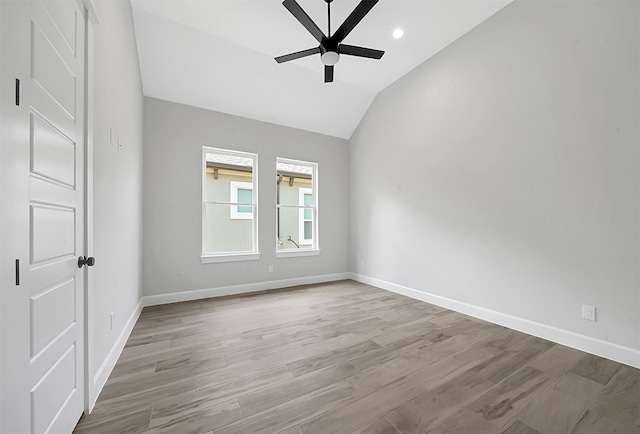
(297, 208)
(229, 209)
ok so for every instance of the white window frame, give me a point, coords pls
(254, 253)
(301, 239)
(233, 195)
(315, 246)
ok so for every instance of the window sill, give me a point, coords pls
(289, 253)
(227, 257)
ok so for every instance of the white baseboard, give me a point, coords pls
(101, 376)
(153, 300)
(619, 353)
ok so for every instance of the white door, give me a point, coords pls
(43, 227)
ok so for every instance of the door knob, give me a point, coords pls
(83, 260)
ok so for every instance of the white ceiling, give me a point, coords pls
(218, 55)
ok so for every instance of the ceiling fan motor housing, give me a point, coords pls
(329, 52)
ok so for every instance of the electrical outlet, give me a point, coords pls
(270, 268)
(588, 312)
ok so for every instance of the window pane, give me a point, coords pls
(223, 234)
(292, 177)
(223, 169)
(290, 194)
(308, 200)
(244, 196)
(291, 230)
(308, 214)
(308, 230)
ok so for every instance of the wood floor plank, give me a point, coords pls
(393, 350)
(503, 341)
(369, 326)
(561, 405)
(504, 364)
(133, 422)
(149, 381)
(398, 331)
(500, 404)
(593, 423)
(195, 362)
(465, 421)
(241, 384)
(142, 350)
(345, 357)
(556, 361)
(293, 430)
(296, 411)
(259, 353)
(449, 367)
(595, 368)
(432, 408)
(363, 410)
(196, 419)
(140, 399)
(323, 360)
(518, 427)
(620, 399)
(379, 426)
(258, 401)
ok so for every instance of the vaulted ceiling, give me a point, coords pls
(218, 55)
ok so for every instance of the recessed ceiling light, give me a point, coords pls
(397, 33)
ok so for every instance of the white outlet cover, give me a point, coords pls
(588, 312)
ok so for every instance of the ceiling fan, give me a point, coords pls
(331, 46)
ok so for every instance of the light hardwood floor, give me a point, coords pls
(345, 357)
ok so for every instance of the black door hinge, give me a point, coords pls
(17, 272)
(17, 91)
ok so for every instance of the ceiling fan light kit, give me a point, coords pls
(330, 58)
(331, 46)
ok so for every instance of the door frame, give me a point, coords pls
(90, 392)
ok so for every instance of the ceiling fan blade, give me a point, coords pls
(328, 73)
(304, 19)
(297, 55)
(352, 50)
(352, 20)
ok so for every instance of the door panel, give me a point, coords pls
(52, 232)
(51, 68)
(48, 324)
(52, 393)
(65, 17)
(52, 152)
(44, 348)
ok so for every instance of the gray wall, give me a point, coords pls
(503, 172)
(118, 104)
(173, 138)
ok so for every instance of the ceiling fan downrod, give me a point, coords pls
(329, 17)
(330, 56)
